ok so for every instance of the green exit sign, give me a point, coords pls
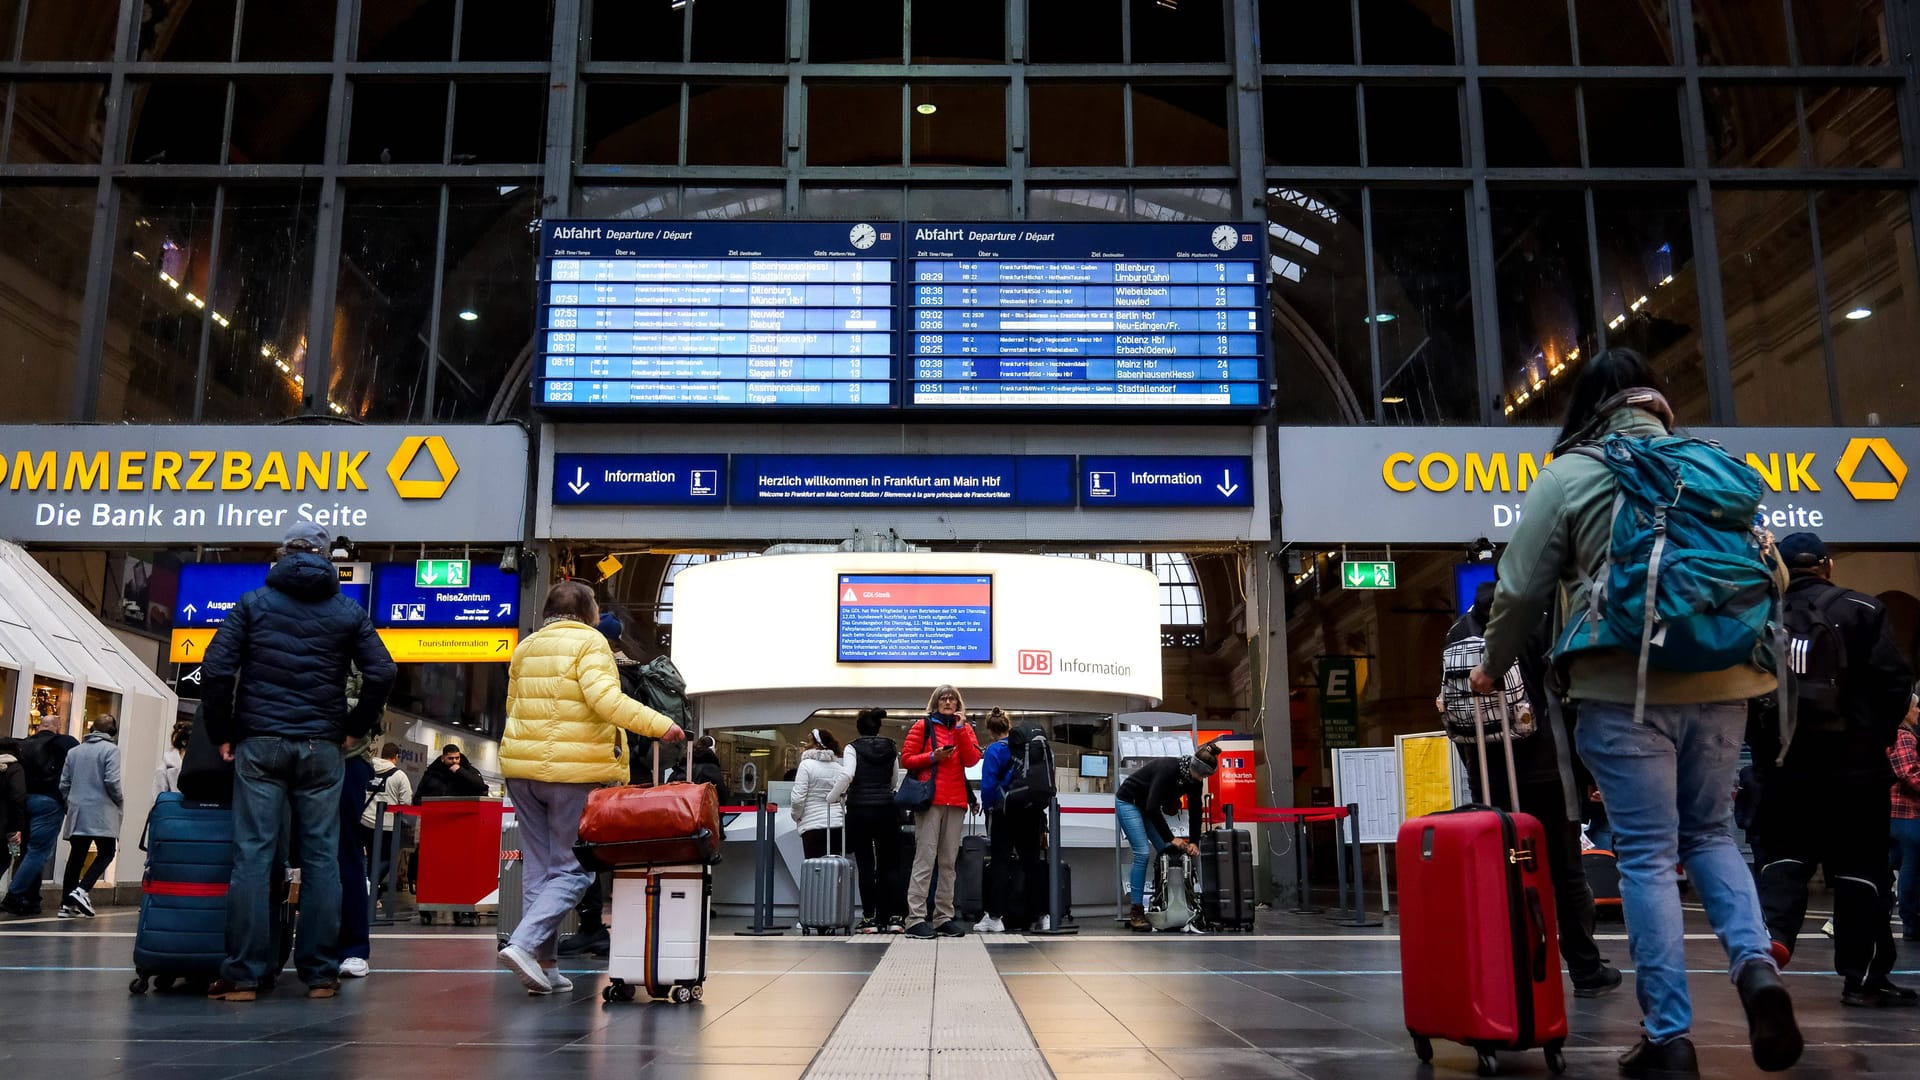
(433, 573)
(1367, 575)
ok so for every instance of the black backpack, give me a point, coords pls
(1816, 659)
(1030, 777)
(44, 760)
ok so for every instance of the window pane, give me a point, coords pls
(176, 123)
(1311, 125)
(1076, 124)
(1616, 34)
(971, 33)
(1751, 125)
(885, 203)
(302, 31)
(967, 127)
(1531, 124)
(1854, 126)
(1181, 33)
(736, 124)
(1406, 32)
(1772, 310)
(506, 30)
(1633, 125)
(263, 291)
(1841, 31)
(632, 123)
(1524, 32)
(490, 274)
(1307, 32)
(153, 337)
(69, 31)
(385, 302)
(1739, 32)
(1545, 293)
(1182, 204)
(1074, 31)
(1866, 244)
(856, 31)
(410, 30)
(1319, 296)
(202, 30)
(630, 31)
(279, 121)
(740, 31)
(831, 140)
(627, 201)
(959, 204)
(734, 203)
(9, 20)
(1413, 125)
(499, 122)
(398, 122)
(1076, 204)
(57, 122)
(1649, 295)
(1179, 125)
(44, 234)
(1420, 277)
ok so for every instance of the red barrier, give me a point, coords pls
(459, 852)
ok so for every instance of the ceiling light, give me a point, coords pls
(926, 108)
(1393, 400)
(1860, 312)
(1383, 317)
(266, 350)
(468, 315)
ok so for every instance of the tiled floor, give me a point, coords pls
(1301, 998)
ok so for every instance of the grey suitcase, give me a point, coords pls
(826, 892)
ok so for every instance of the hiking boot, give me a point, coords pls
(587, 943)
(1879, 994)
(1771, 1029)
(923, 930)
(952, 928)
(81, 902)
(1671, 1060)
(223, 990)
(1137, 919)
(1604, 981)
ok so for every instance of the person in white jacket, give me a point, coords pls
(819, 787)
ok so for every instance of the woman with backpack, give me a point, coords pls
(873, 823)
(1016, 891)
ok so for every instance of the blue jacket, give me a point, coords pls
(996, 767)
(279, 663)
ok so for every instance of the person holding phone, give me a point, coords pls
(944, 746)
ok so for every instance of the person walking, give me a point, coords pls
(43, 755)
(1904, 756)
(90, 787)
(818, 790)
(1013, 834)
(942, 746)
(1825, 804)
(1153, 793)
(566, 718)
(13, 803)
(873, 823)
(1665, 771)
(275, 703)
(166, 777)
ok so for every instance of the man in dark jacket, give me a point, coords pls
(13, 800)
(1827, 804)
(276, 705)
(43, 755)
(451, 776)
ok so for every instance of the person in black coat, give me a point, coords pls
(13, 795)
(451, 776)
(1155, 791)
(42, 757)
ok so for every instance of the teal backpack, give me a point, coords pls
(1689, 581)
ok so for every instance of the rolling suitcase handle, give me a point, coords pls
(1480, 750)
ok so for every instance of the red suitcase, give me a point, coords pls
(1479, 955)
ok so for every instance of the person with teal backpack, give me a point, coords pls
(1669, 611)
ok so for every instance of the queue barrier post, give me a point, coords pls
(1347, 828)
(762, 871)
(386, 910)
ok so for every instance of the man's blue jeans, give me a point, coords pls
(1906, 835)
(1668, 788)
(1144, 844)
(44, 815)
(271, 775)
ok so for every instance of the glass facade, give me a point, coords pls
(244, 210)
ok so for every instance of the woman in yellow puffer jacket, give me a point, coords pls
(566, 725)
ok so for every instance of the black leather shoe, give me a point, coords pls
(1879, 995)
(1603, 981)
(1671, 1060)
(1770, 1026)
(586, 944)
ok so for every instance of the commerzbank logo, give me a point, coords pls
(1871, 490)
(444, 465)
(427, 458)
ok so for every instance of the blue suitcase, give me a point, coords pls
(183, 894)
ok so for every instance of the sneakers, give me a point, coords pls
(68, 911)
(222, 990)
(896, 925)
(1879, 994)
(867, 926)
(353, 967)
(990, 925)
(1672, 1060)
(922, 929)
(1771, 1029)
(17, 907)
(560, 983)
(952, 928)
(1604, 981)
(521, 963)
(587, 943)
(81, 902)
(322, 991)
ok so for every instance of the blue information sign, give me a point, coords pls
(916, 619)
(654, 314)
(902, 480)
(488, 599)
(1171, 316)
(209, 590)
(1181, 480)
(640, 479)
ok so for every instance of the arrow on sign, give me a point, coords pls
(505, 610)
(432, 571)
(501, 646)
(1226, 486)
(187, 646)
(1354, 574)
(580, 482)
(188, 611)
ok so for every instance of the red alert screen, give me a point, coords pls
(916, 618)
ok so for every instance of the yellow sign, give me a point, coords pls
(403, 459)
(1426, 774)
(608, 567)
(1871, 490)
(463, 646)
(189, 646)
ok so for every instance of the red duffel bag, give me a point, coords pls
(626, 827)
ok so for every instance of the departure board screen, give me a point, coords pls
(1076, 316)
(653, 314)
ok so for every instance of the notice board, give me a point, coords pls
(1369, 776)
(1430, 774)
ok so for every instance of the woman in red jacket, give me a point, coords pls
(945, 744)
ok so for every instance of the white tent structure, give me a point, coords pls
(60, 666)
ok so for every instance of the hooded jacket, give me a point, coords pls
(90, 784)
(817, 789)
(279, 663)
(928, 735)
(566, 714)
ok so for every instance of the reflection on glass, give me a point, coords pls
(631, 124)
(1413, 125)
(413, 31)
(1077, 204)
(1854, 126)
(1406, 32)
(735, 124)
(1179, 124)
(1546, 298)
(735, 203)
(100, 703)
(1177, 33)
(957, 203)
(1182, 204)
(1531, 124)
(1307, 32)
(384, 302)
(1076, 124)
(1739, 32)
(44, 233)
(1074, 32)
(492, 246)
(155, 305)
(1867, 251)
(1649, 296)
(56, 122)
(852, 203)
(1841, 31)
(629, 201)
(56, 31)
(260, 303)
(1623, 35)
(1421, 281)
(1311, 124)
(1772, 309)
(959, 123)
(279, 121)
(1317, 267)
(1751, 125)
(831, 140)
(1524, 32)
(302, 31)
(187, 32)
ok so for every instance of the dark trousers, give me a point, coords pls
(873, 832)
(817, 843)
(356, 901)
(593, 905)
(1841, 823)
(1572, 896)
(102, 846)
(1013, 855)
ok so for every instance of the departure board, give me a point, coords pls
(1077, 316)
(652, 314)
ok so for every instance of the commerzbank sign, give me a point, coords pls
(123, 484)
(1454, 485)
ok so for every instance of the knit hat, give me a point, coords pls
(612, 628)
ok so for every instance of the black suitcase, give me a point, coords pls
(970, 880)
(1226, 877)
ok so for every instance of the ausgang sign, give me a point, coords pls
(1453, 485)
(115, 484)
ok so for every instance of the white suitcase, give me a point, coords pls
(659, 933)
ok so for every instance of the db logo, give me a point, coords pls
(1036, 662)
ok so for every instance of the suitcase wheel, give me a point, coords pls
(1556, 1061)
(1422, 1047)
(617, 991)
(699, 991)
(1487, 1064)
(426, 918)
(138, 985)
(681, 995)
